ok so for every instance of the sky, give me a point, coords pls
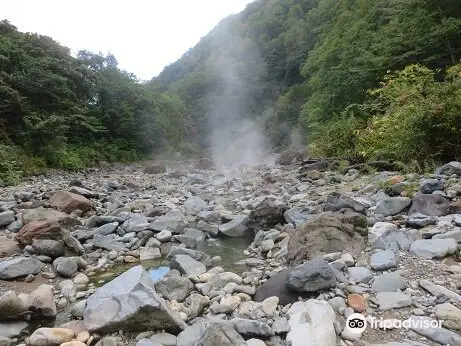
(144, 35)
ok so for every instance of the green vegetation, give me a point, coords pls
(369, 79)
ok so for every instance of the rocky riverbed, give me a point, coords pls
(273, 255)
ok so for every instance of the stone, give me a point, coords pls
(392, 205)
(337, 303)
(48, 247)
(65, 266)
(50, 336)
(81, 279)
(8, 247)
(326, 233)
(387, 236)
(359, 274)
(428, 186)
(155, 168)
(356, 302)
(313, 276)
(197, 303)
(251, 328)
(439, 291)
(187, 265)
(235, 228)
(389, 282)
(449, 314)
(255, 342)
(108, 243)
(164, 236)
(434, 248)
(312, 325)
(40, 229)
(393, 300)
(11, 307)
(106, 229)
(419, 220)
(5, 341)
(275, 286)
(266, 213)
(430, 329)
(280, 326)
(129, 302)
(110, 341)
(297, 216)
(149, 253)
(83, 336)
(210, 334)
(456, 235)
(6, 217)
(37, 214)
(431, 205)
(41, 302)
(73, 343)
(164, 339)
(174, 288)
(197, 255)
(267, 245)
(336, 202)
(194, 205)
(78, 309)
(67, 202)
(173, 221)
(289, 156)
(450, 168)
(19, 267)
(12, 329)
(383, 260)
(226, 305)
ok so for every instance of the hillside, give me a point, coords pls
(306, 65)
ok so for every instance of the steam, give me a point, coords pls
(235, 137)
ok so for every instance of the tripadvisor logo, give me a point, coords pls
(357, 323)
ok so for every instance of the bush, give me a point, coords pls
(15, 164)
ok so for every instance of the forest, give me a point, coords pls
(374, 79)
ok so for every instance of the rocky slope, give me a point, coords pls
(324, 246)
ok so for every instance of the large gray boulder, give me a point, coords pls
(297, 216)
(195, 254)
(430, 205)
(6, 217)
(187, 265)
(129, 303)
(174, 288)
(173, 221)
(450, 168)
(328, 232)
(313, 276)
(434, 248)
(194, 205)
(392, 205)
(267, 213)
(19, 266)
(210, 334)
(275, 286)
(235, 228)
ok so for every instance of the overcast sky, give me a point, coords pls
(144, 35)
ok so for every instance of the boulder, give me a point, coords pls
(173, 221)
(449, 314)
(383, 260)
(419, 220)
(174, 288)
(65, 266)
(392, 205)
(235, 228)
(29, 215)
(6, 217)
(41, 302)
(393, 300)
(48, 247)
(275, 286)
(313, 276)
(67, 202)
(430, 205)
(251, 328)
(50, 336)
(195, 254)
(434, 248)
(12, 307)
(130, 303)
(210, 334)
(19, 267)
(450, 168)
(430, 329)
(327, 233)
(387, 236)
(288, 157)
(187, 265)
(194, 205)
(428, 186)
(8, 247)
(267, 213)
(336, 202)
(389, 282)
(12, 329)
(297, 216)
(155, 168)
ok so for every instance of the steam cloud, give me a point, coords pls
(235, 137)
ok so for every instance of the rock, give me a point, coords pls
(393, 300)
(41, 302)
(337, 303)
(197, 303)
(235, 228)
(108, 243)
(356, 302)
(383, 260)
(226, 305)
(288, 157)
(255, 342)
(48, 247)
(8, 247)
(210, 334)
(419, 220)
(450, 168)
(431, 205)
(155, 168)
(326, 233)
(197, 255)
(78, 309)
(18, 267)
(312, 325)
(387, 236)
(106, 229)
(275, 286)
(129, 302)
(434, 248)
(164, 339)
(194, 205)
(431, 329)
(392, 205)
(40, 229)
(297, 216)
(267, 245)
(173, 221)
(251, 328)
(164, 236)
(50, 336)
(73, 343)
(449, 314)
(174, 288)
(5, 341)
(67, 202)
(430, 185)
(81, 279)
(65, 266)
(30, 215)
(149, 253)
(439, 291)
(205, 163)
(389, 282)
(359, 274)
(12, 329)
(267, 213)
(313, 276)
(11, 307)
(147, 342)
(280, 326)
(110, 341)
(336, 202)
(6, 217)
(187, 265)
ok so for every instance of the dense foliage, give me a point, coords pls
(61, 111)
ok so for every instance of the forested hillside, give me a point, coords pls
(61, 111)
(329, 69)
(375, 79)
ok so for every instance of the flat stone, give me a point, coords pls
(393, 300)
(41, 302)
(235, 228)
(174, 288)
(439, 291)
(312, 276)
(433, 248)
(442, 335)
(383, 260)
(419, 220)
(359, 274)
(449, 314)
(187, 265)
(164, 339)
(12, 307)
(50, 336)
(149, 253)
(12, 329)
(389, 282)
(19, 267)
(6, 217)
(392, 205)
(431, 205)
